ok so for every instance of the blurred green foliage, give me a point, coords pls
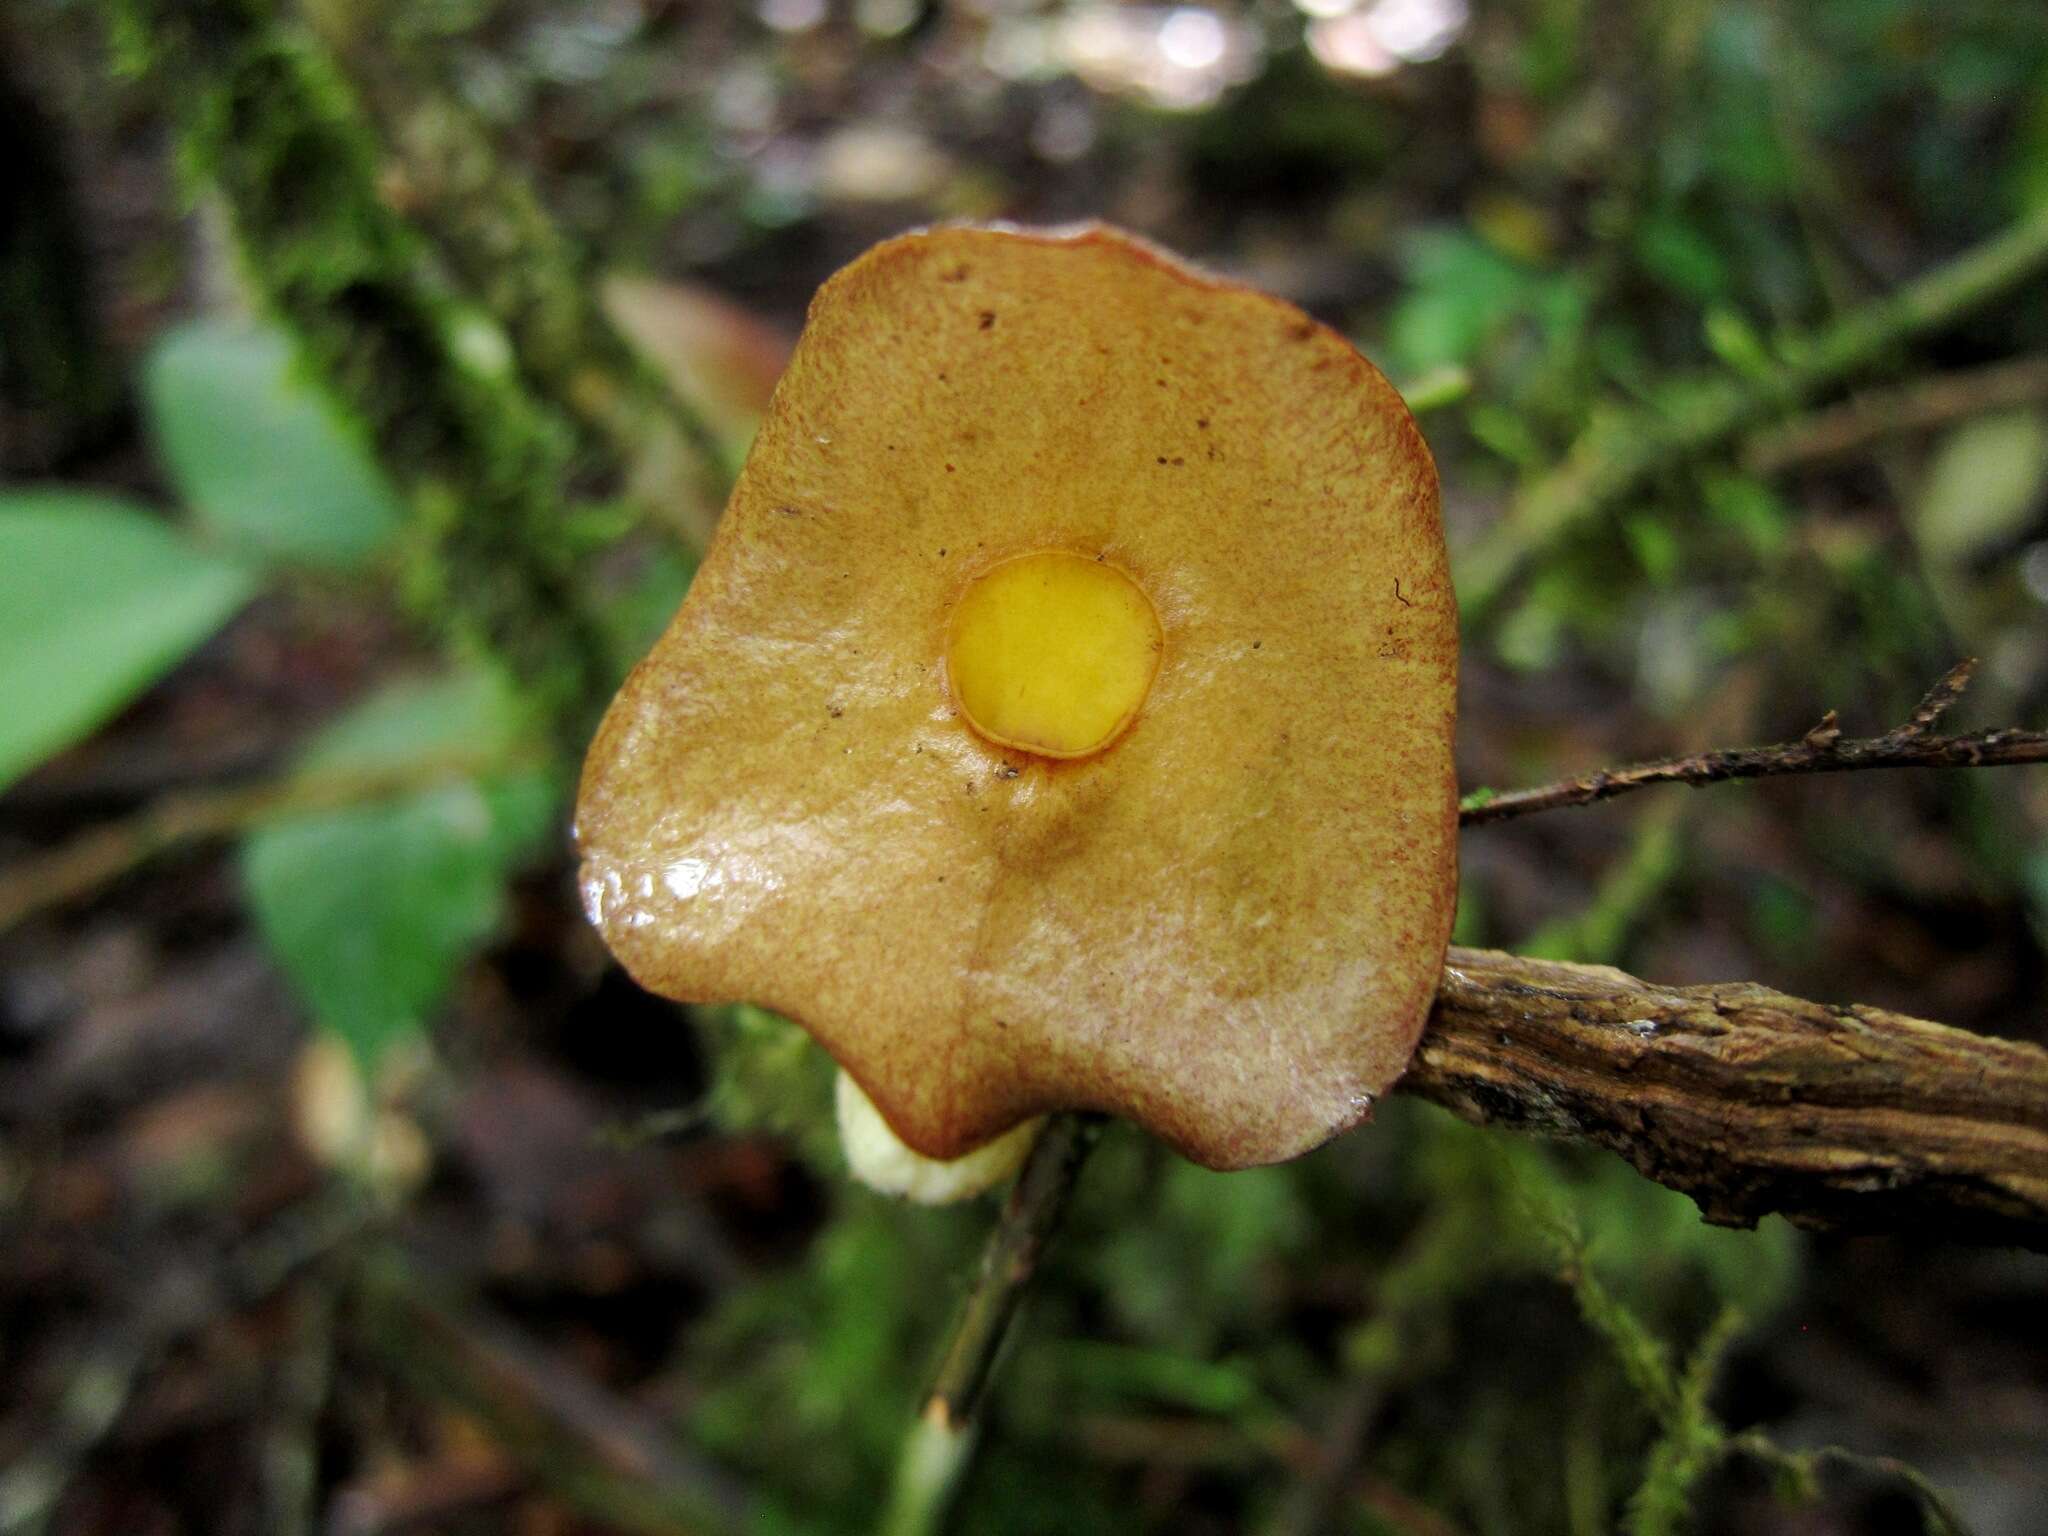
(1167, 1311)
(98, 599)
(373, 908)
(1599, 222)
(259, 455)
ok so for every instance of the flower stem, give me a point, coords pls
(940, 1445)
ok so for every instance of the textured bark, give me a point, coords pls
(1751, 1102)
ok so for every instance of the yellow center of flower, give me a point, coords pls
(1052, 653)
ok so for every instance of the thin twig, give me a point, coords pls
(1821, 750)
(302, 1381)
(603, 1454)
(1918, 406)
(1310, 1504)
(101, 1383)
(1938, 1517)
(940, 1445)
(105, 853)
(78, 868)
(430, 1496)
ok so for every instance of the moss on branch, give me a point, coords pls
(264, 115)
(487, 222)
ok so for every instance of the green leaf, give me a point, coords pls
(98, 599)
(1680, 256)
(1656, 545)
(1121, 1374)
(263, 457)
(1750, 508)
(1436, 389)
(1462, 293)
(1736, 342)
(1983, 485)
(373, 909)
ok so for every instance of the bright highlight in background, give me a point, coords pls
(1192, 38)
(1379, 38)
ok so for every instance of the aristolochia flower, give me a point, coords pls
(1062, 716)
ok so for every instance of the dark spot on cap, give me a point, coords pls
(988, 319)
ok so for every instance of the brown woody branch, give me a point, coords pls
(1821, 750)
(1751, 1102)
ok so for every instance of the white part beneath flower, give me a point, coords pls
(879, 1160)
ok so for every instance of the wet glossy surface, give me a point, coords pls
(1229, 925)
(1052, 653)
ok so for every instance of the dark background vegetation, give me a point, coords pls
(346, 1187)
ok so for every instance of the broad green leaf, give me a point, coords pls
(262, 456)
(1656, 545)
(98, 599)
(373, 909)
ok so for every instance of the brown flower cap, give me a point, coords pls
(1062, 716)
